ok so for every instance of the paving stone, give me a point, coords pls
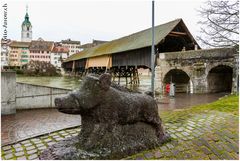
(234, 148)
(189, 127)
(51, 143)
(8, 151)
(173, 136)
(163, 148)
(139, 157)
(30, 147)
(44, 137)
(6, 147)
(226, 156)
(235, 156)
(64, 134)
(8, 156)
(170, 146)
(206, 150)
(42, 147)
(27, 144)
(167, 154)
(149, 155)
(179, 135)
(185, 134)
(226, 148)
(19, 149)
(158, 154)
(59, 139)
(186, 155)
(47, 140)
(32, 151)
(39, 145)
(76, 134)
(33, 156)
(175, 152)
(18, 154)
(53, 134)
(179, 129)
(22, 158)
(17, 145)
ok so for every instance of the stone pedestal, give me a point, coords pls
(120, 142)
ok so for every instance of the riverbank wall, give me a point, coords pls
(17, 96)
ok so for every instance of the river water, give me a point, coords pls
(181, 100)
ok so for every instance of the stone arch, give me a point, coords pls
(180, 78)
(219, 78)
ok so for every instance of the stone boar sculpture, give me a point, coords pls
(115, 122)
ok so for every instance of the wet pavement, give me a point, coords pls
(182, 100)
(30, 123)
(196, 134)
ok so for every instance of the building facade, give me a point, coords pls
(18, 53)
(40, 50)
(26, 34)
(59, 54)
(73, 46)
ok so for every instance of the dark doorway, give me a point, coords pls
(179, 78)
(220, 79)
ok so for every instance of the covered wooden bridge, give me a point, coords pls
(122, 57)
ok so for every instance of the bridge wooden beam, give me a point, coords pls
(177, 34)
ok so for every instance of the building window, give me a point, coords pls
(27, 35)
(27, 28)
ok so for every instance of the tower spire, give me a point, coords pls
(26, 8)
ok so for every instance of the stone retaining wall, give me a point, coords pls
(29, 96)
(15, 95)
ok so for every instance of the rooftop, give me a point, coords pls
(134, 41)
(19, 44)
(69, 41)
(41, 45)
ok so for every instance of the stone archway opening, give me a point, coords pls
(179, 78)
(220, 79)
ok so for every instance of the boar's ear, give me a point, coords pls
(105, 81)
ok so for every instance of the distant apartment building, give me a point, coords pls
(59, 54)
(73, 46)
(4, 52)
(90, 45)
(18, 53)
(40, 50)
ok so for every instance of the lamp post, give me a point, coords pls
(153, 53)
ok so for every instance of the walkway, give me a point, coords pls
(30, 123)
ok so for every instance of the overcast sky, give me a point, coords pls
(101, 20)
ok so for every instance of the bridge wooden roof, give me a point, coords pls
(134, 41)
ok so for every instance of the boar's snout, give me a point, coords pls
(58, 102)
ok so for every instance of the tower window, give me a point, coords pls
(27, 35)
(27, 28)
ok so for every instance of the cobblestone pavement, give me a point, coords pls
(31, 123)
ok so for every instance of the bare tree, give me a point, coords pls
(219, 23)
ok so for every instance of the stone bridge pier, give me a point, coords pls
(198, 71)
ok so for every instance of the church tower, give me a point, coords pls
(26, 29)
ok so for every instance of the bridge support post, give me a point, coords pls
(158, 80)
